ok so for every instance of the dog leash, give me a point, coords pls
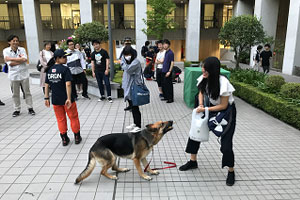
(166, 162)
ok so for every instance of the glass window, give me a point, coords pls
(128, 16)
(4, 19)
(209, 18)
(70, 14)
(227, 13)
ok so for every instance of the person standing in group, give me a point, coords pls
(159, 65)
(145, 49)
(256, 58)
(78, 47)
(132, 73)
(18, 74)
(127, 42)
(220, 94)
(265, 57)
(59, 78)
(167, 84)
(45, 55)
(100, 69)
(77, 66)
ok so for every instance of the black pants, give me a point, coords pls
(226, 143)
(100, 76)
(266, 69)
(79, 79)
(137, 117)
(167, 87)
(159, 77)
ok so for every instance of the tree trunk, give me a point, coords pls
(237, 59)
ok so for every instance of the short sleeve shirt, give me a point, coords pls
(160, 55)
(169, 57)
(99, 58)
(17, 72)
(56, 77)
(265, 56)
(226, 89)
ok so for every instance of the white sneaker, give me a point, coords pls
(135, 130)
(131, 126)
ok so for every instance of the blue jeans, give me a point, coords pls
(100, 76)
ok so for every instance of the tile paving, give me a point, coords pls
(34, 164)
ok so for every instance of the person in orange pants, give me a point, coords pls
(59, 78)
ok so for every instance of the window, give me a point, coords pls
(4, 19)
(209, 16)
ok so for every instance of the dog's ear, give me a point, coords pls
(150, 128)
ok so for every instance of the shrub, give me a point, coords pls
(274, 83)
(290, 90)
(187, 63)
(248, 76)
(88, 72)
(270, 103)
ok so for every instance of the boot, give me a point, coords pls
(77, 137)
(65, 139)
(189, 165)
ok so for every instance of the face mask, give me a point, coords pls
(128, 58)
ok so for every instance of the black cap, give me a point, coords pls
(60, 53)
(127, 40)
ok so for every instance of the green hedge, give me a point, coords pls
(270, 103)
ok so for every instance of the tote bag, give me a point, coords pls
(199, 129)
(140, 94)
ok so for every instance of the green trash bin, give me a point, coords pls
(191, 74)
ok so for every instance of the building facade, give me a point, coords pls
(196, 37)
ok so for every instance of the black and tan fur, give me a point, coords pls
(135, 146)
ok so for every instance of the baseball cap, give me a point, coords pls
(127, 40)
(60, 53)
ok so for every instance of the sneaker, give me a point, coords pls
(170, 101)
(230, 178)
(102, 98)
(65, 139)
(189, 165)
(131, 126)
(161, 96)
(135, 130)
(109, 99)
(86, 96)
(77, 137)
(2, 104)
(127, 108)
(16, 113)
(31, 111)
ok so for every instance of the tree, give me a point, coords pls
(157, 21)
(91, 31)
(241, 33)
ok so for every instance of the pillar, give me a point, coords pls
(140, 36)
(193, 30)
(292, 43)
(267, 12)
(86, 11)
(33, 29)
(242, 7)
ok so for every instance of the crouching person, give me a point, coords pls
(59, 78)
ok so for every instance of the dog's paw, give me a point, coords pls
(148, 178)
(114, 177)
(124, 170)
(154, 172)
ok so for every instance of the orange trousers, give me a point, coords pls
(60, 113)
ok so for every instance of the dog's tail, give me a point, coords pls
(88, 170)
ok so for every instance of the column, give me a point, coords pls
(193, 30)
(33, 29)
(242, 7)
(140, 37)
(292, 42)
(86, 11)
(267, 12)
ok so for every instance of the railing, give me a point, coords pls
(215, 22)
(11, 22)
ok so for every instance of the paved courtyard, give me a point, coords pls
(34, 164)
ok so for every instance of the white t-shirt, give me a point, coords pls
(47, 55)
(18, 72)
(160, 55)
(226, 89)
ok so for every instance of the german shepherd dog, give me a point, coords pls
(135, 146)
